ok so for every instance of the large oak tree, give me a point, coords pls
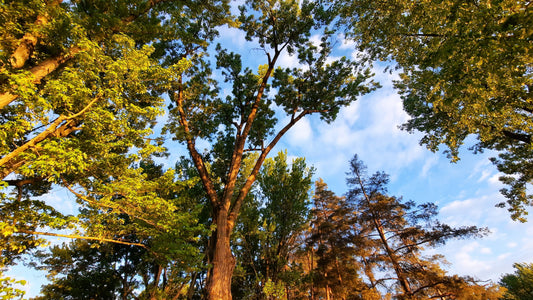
(244, 121)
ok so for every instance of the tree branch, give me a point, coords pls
(232, 218)
(240, 141)
(119, 208)
(75, 236)
(196, 157)
(526, 138)
(53, 130)
(23, 52)
(28, 42)
(40, 71)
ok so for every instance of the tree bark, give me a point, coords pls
(219, 286)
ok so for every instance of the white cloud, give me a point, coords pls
(345, 43)
(234, 37)
(484, 175)
(300, 134)
(512, 245)
(495, 179)
(288, 61)
(485, 250)
(430, 162)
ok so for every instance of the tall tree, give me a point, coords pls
(268, 231)
(332, 249)
(243, 121)
(402, 230)
(465, 70)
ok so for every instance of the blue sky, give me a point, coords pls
(466, 192)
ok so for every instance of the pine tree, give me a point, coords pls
(401, 230)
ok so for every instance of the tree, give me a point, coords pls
(145, 241)
(80, 87)
(519, 285)
(269, 229)
(465, 70)
(332, 249)
(399, 231)
(243, 121)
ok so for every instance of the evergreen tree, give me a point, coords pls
(332, 249)
(402, 230)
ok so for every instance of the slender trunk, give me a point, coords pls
(190, 291)
(404, 283)
(394, 259)
(219, 285)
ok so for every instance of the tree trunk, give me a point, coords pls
(219, 285)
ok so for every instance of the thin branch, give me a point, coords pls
(196, 157)
(119, 208)
(75, 236)
(22, 182)
(240, 141)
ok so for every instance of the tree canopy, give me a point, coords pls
(465, 70)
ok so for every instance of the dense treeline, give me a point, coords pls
(290, 245)
(83, 88)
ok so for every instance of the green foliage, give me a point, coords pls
(80, 91)
(83, 270)
(149, 210)
(274, 290)
(519, 285)
(9, 289)
(466, 70)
